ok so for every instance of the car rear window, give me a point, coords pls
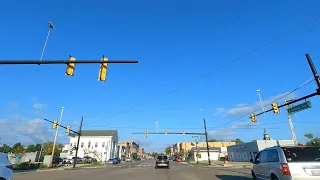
(162, 158)
(302, 154)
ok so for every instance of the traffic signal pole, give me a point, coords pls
(206, 134)
(77, 148)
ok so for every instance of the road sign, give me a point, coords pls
(299, 107)
(195, 137)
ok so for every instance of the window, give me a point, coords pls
(96, 144)
(257, 159)
(162, 157)
(103, 144)
(82, 144)
(263, 156)
(89, 144)
(302, 154)
(273, 155)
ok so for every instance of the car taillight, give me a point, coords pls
(285, 168)
(10, 167)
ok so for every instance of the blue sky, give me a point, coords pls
(175, 42)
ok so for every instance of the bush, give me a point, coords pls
(25, 166)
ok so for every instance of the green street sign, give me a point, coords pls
(195, 137)
(299, 107)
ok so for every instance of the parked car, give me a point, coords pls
(5, 167)
(287, 163)
(112, 161)
(118, 160)
(128, 160)
(179, 159)
(162, 161)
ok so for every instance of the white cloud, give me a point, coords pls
(20, 129)
(39, 106)
(228, 133)
(243, 109)
(219, 111)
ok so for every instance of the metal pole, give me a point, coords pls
(197, 151)
(206, 134)
(41, 150)
(294, 137)
(45, 43)
(258, 91)
(55, 138)
(313, 69)
(77, 148)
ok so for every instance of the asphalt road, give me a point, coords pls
(142, 170)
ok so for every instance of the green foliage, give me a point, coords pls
(134, 156)
(168, 150)
(5, 149)
(212, 140)
(18, 149)
(313, 141)
(26, 166)
(33, 148)
(47, 148)
(238, 141)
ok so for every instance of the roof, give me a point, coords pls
(99, 133)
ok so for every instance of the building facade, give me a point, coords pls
(203, 154)
(99, 144)
(187, 146)
(246, 151)
(127, 148)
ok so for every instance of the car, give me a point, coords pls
(118, 160)
(5, 167)
(162, 161)
(287, 163)
(128, 160)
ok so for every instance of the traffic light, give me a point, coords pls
(70, 66)
(183, 132)
(275, 108)
(166, 132)
(54, 125)
(68, 130)
(103, 70)
(253, 118)
(147, 133)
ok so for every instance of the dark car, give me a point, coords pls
(117, 160)
(162, 161)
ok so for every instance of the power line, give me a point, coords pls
(246, 115)
(220, 67)
(139, 83)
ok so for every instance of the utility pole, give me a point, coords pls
(206, 134)
(294, 137)
(45, 43)
(55, 138)
(77, 148)
(41, 150)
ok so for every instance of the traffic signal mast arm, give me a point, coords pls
(65, 127)
(169, 133)
(67, 62)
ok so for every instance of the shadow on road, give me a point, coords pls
(231, 177)
(244, 173)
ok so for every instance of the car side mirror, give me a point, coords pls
(251, 160)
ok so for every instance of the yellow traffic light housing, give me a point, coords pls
(103, 70)
(68, 130)
(147, 133)
(275, 108)
(70, 66)
(166, 132)
(253, 118)
(54, 125)
(183, 132)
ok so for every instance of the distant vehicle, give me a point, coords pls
(112, 161)
(5, 167)
(179, 159)
(118, 160)
(162, 161)
(128, 160)
(287, 163)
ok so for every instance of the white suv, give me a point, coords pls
(287, 163)
(5, 167)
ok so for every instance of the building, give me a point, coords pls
(126, 149)
(99, 144)
(246, 151)
(184, 147)
(203, 154)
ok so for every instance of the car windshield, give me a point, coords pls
(162, 157)
(302, 154)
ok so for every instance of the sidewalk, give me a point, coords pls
(226, 164)
(79, 166)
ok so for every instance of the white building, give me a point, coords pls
(203, 154)
(246, 151)
(99, 144)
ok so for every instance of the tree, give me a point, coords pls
(134, 155)
(238, 141)
(18, 149)
(47, 149)
(5, 149)
(212, 140)
(312, 141)
(33, 148)
(168, 150)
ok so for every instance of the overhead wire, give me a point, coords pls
(218, 68)
(139, 83)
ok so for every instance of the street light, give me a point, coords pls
(258, 91)
(55, 137)
(45, 43)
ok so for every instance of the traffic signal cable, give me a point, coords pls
(219, 68)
